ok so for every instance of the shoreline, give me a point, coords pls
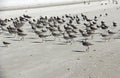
(44, 5)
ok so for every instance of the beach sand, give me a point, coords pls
(27, 59)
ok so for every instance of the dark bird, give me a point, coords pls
(6, 43)
(100, 15)
(104, 27)
(86, 44)
(110, 32)
(20, 30)
(104, 35)
(72, 37)
(27, 16)
(106, 14)
(67, 38)
(114, 24)
(22, 35)
(42, 36)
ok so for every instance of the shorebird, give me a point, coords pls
(27, 16)
(84, 34)
(86, 44)
(20, 30)
(111, 34)
(106, 14)
(95, 18)
(12, 30)
(72, 36)
(6, 43)
(100, 15)
(56, 34)
(104, 35)
(67, 38)
(41, 35)
(73, 26)
(114, 24)
(22, 35)
(104, 27)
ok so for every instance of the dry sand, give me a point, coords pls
(25, 59)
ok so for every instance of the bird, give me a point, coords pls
(86, 44)
(67, 38)
(22, 35)
(106, 14)
(110, 32)
(104, 27)
(27, 16)
(56, 35)
(6, 43)
(19, 30)
(43, 36)
(114, 24)
(104, 35)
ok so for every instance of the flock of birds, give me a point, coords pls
(67, 27)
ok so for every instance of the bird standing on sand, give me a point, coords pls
(87, 44)
(6, 43)
(22, 35)
(104, 36)
(111, 33)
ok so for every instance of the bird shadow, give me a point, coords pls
(32, 38)
(100, 41)
(37, 42)
(2, 75)
(2, 46)
(61, 43)
(49, 40)
(117, 38)
(77, 51)
(9, 37)
(15, 40)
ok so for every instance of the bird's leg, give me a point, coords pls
(105, 39)
(91, 36)
(54, 38)
(6, 45)
(42, 40)
(87, 50)
(59, 39)
(14, 36)
(45, 39)
(110, 38)
(23, 38)
(71, 41)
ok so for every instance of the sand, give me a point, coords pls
(27, 59)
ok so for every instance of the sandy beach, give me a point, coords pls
(52, 59)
